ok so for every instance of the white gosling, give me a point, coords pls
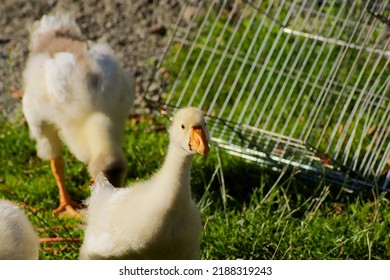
(157, 218)
(76, 92)
(18, 239)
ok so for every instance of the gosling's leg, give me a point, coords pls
(67, 205)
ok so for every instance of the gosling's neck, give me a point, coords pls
(176, 172)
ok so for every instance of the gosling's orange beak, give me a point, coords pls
(198, 141)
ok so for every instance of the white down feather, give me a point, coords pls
(18, 239)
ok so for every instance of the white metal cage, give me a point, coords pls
(298, 83)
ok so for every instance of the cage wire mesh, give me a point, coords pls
(297, 83)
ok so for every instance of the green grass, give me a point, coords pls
(247, 212)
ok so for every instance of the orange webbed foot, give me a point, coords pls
(68, 209)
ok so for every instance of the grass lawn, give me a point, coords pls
(247, 212)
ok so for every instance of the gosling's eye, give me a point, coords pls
(182, 126)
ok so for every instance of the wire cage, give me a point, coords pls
(296, 84)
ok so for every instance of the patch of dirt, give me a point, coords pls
(136, 30)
